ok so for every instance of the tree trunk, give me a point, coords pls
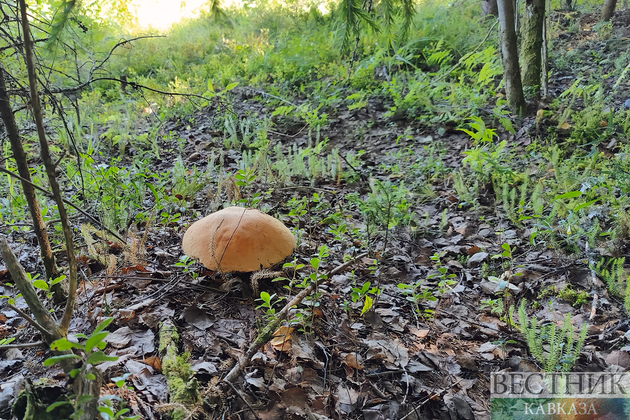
(608, 10)
(489, 8)
(531, 46)
(44, 152)
(509, 52)
(83, 386)
(545, 61)
(29, 192)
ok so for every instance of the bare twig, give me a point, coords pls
(29, 319)
(22, 345)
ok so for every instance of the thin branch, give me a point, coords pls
(50, 169)
(22, 345)
(30, 320)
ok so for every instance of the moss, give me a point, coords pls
(183, 388)
(182, 385)
(576, 298)
(168, 335)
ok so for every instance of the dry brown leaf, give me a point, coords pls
(353, 360)
(473, 250)
(280, 337)
(155, 362)
(126, 315)
(420, 333)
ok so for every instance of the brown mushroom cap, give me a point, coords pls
(238, 239)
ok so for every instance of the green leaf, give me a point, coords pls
(107, 411)
(90, 376)
(99, 357)
(265, 297)
(122, 412)
(58, 280)
(95, 339)
(40, 284)
(56, 404)
(56, 359)
(570, 194)
(104, 324)
(64, 344)
(583, 205)
(231, 86)
(367, 305)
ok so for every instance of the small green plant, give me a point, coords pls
(90, 353)
(576, 298)
(244, 180)
(479, 132)
(302, 317)
(445, 280)
(363, 293)
(612, 272)
(268, 301)
(186, 263)
(415, 293)
(108, 410)
(506, 255)
(45, 285)
(555, 349)
(495, 306)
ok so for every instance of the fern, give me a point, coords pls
(554, 350)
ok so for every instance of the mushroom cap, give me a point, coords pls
(238, 239)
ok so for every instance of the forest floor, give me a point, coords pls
(392, 362)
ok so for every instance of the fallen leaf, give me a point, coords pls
(155, 362)
(280, 337)
(353, 360)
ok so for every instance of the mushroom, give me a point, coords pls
(238, 239)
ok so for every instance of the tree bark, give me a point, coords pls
(29, 192)
(509, 52)
(531, 46)
(50, 167)
(608, 10)
(489, 8)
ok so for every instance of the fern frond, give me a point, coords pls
(407, 11)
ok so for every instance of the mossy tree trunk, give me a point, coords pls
(608, 10)
(509, 52)
(531, 46)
